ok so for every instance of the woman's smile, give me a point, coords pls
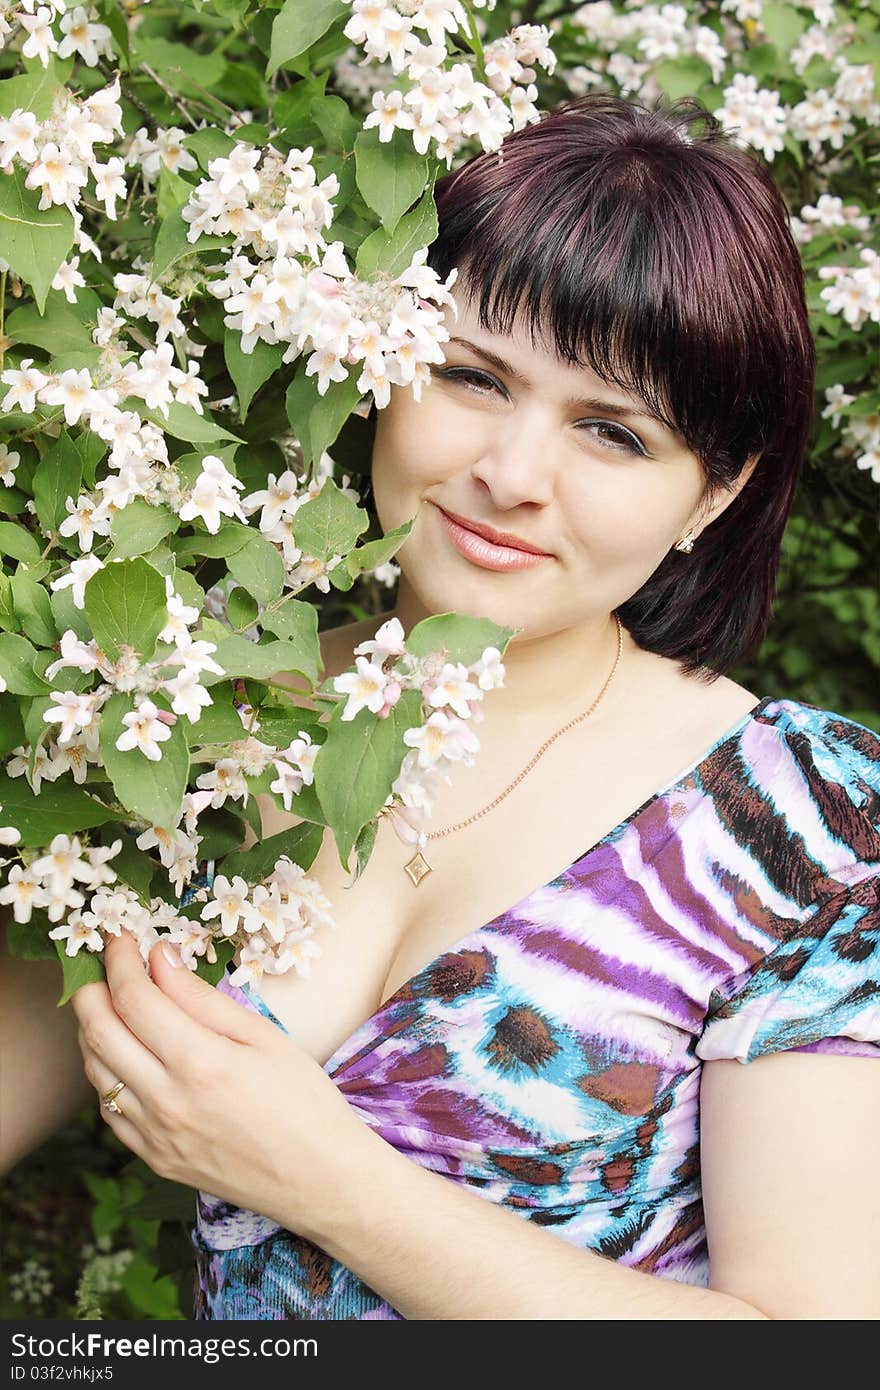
(485, 553)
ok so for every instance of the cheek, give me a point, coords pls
(416, 445)
(623, 515)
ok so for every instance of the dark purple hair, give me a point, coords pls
(644, 244)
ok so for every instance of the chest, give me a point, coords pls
(388, 930)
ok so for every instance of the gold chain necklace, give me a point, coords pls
(418, 867)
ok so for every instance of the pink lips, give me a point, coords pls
(485, 553)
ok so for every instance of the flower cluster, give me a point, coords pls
(856, 290)
(452, 694)
(81, 34)
(59, 155)
(278, 502)
(826, 215)
(860, 434)
(273, 924)
(295, 289)
(447, 104)
(138, 448)
(77, 714)
(49, 881)
(249, 757)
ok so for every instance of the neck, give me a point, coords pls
(550, 676)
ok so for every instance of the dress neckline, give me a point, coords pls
(345, 1050)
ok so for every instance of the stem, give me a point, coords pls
(476, 42)
(171, 95)
(2, 316)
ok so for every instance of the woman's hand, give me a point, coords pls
(215, 1097)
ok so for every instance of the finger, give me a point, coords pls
(104, 1080)
(106, 1036)
(126, 1132)
(149, 1014)
(203, 1002)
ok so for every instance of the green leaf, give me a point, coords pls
(221, 832)
(331, 413)
(680, 77)
(336, 122)
(259, 568)
(295, 620)
(219, 722)
(172, 244)
(172, 192)
(375, 553)
(34, 243)
(62, 809)
(464, 638)
(353, 779)
(153, 790)
(133, 865)
(783, 25)
(17, 543)
(241, 609)
(250, 370)
(137, 528)
(11, 727)
(329, 523)
(34, 91)
(17, 658)
(184, 423)
(230, 538)
(392, 253)
(300, 400)
(33, 610)
(208, 144)
(30, 940)
(125, 605)
(85, 968)
(62, 328)
(9, 619)
(56, 477)
(184, 68)
(300, 844)
(298, 26)
(239, 657)
(65, 614)
(390, 176)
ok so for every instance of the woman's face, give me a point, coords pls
(602, 488)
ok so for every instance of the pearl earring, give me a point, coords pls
(686, 544)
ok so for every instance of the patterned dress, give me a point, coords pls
(551, 1059)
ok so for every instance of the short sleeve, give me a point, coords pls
(818, 992)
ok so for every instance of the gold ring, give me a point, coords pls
(108, 1100)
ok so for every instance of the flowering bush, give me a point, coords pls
(215, 223)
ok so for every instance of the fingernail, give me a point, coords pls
(172, 957)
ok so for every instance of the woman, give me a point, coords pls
(605, 1059)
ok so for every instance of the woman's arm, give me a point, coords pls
(42, 1082)
(791, 1146)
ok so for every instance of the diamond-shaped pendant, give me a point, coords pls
(417, 868)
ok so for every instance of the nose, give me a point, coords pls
(518, 462)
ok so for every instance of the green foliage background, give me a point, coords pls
(75, 1204)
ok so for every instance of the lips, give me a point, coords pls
(504, 538)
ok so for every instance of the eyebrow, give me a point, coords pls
(579, 403)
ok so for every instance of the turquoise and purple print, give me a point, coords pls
(550, 1060)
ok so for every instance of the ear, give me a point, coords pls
(725, 496)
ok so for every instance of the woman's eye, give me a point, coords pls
(620, 441)
(626, 442)
(472, 381)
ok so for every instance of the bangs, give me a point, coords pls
(639, 256)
